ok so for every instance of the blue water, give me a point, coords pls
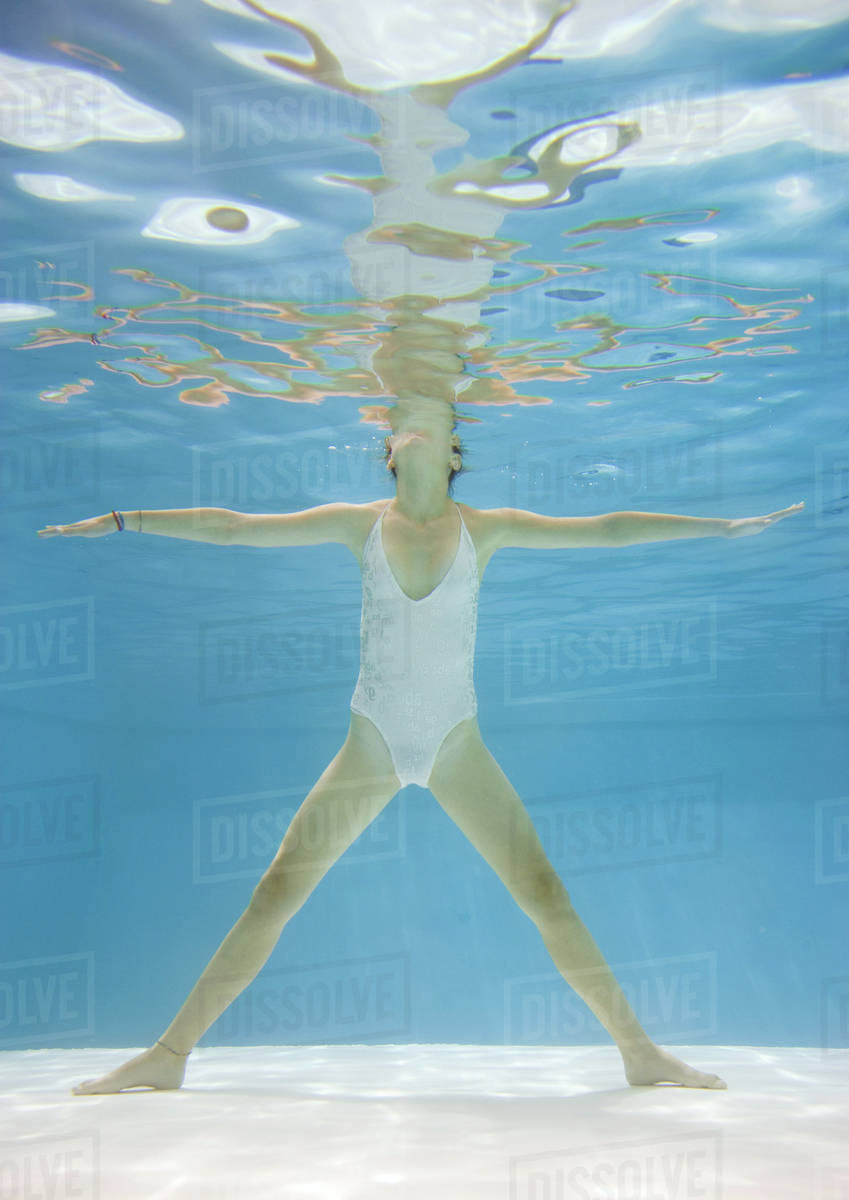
(673, 715)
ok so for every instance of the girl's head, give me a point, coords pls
(429, 448)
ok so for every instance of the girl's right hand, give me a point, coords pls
(93, 527)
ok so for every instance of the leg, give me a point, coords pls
(471, 787)
(353, 789)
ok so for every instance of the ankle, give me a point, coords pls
(171, 1051)
(637, 1046)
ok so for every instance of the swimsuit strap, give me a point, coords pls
(379, 550)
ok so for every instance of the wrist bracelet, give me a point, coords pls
(119, 520)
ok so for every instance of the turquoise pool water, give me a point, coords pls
(202, 253)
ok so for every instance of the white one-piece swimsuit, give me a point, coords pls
(417, 656)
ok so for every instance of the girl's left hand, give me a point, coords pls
(746, 526)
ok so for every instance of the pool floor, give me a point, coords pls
(428, 1122)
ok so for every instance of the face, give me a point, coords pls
(437, 444)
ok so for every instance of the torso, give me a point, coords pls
(420, 557)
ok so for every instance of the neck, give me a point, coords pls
(421, 500)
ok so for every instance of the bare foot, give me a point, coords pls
(653, 1065)
(154, 1068)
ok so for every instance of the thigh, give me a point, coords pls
(352, 790)
(473, 790)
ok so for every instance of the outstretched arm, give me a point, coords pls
(194, 524)
(534, 531)
(633, 527)
(309, 527)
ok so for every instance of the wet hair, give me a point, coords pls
(458, 449)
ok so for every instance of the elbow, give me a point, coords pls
(227, 527)
(617, 529)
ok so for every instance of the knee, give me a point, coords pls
(273, 894)
(545, 896)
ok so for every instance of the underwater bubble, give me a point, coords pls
(231, 219)
(598, 471)
(189, 219)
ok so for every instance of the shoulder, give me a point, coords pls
(486, 526)
(359, 520)
(479, 517)
(365, 514)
